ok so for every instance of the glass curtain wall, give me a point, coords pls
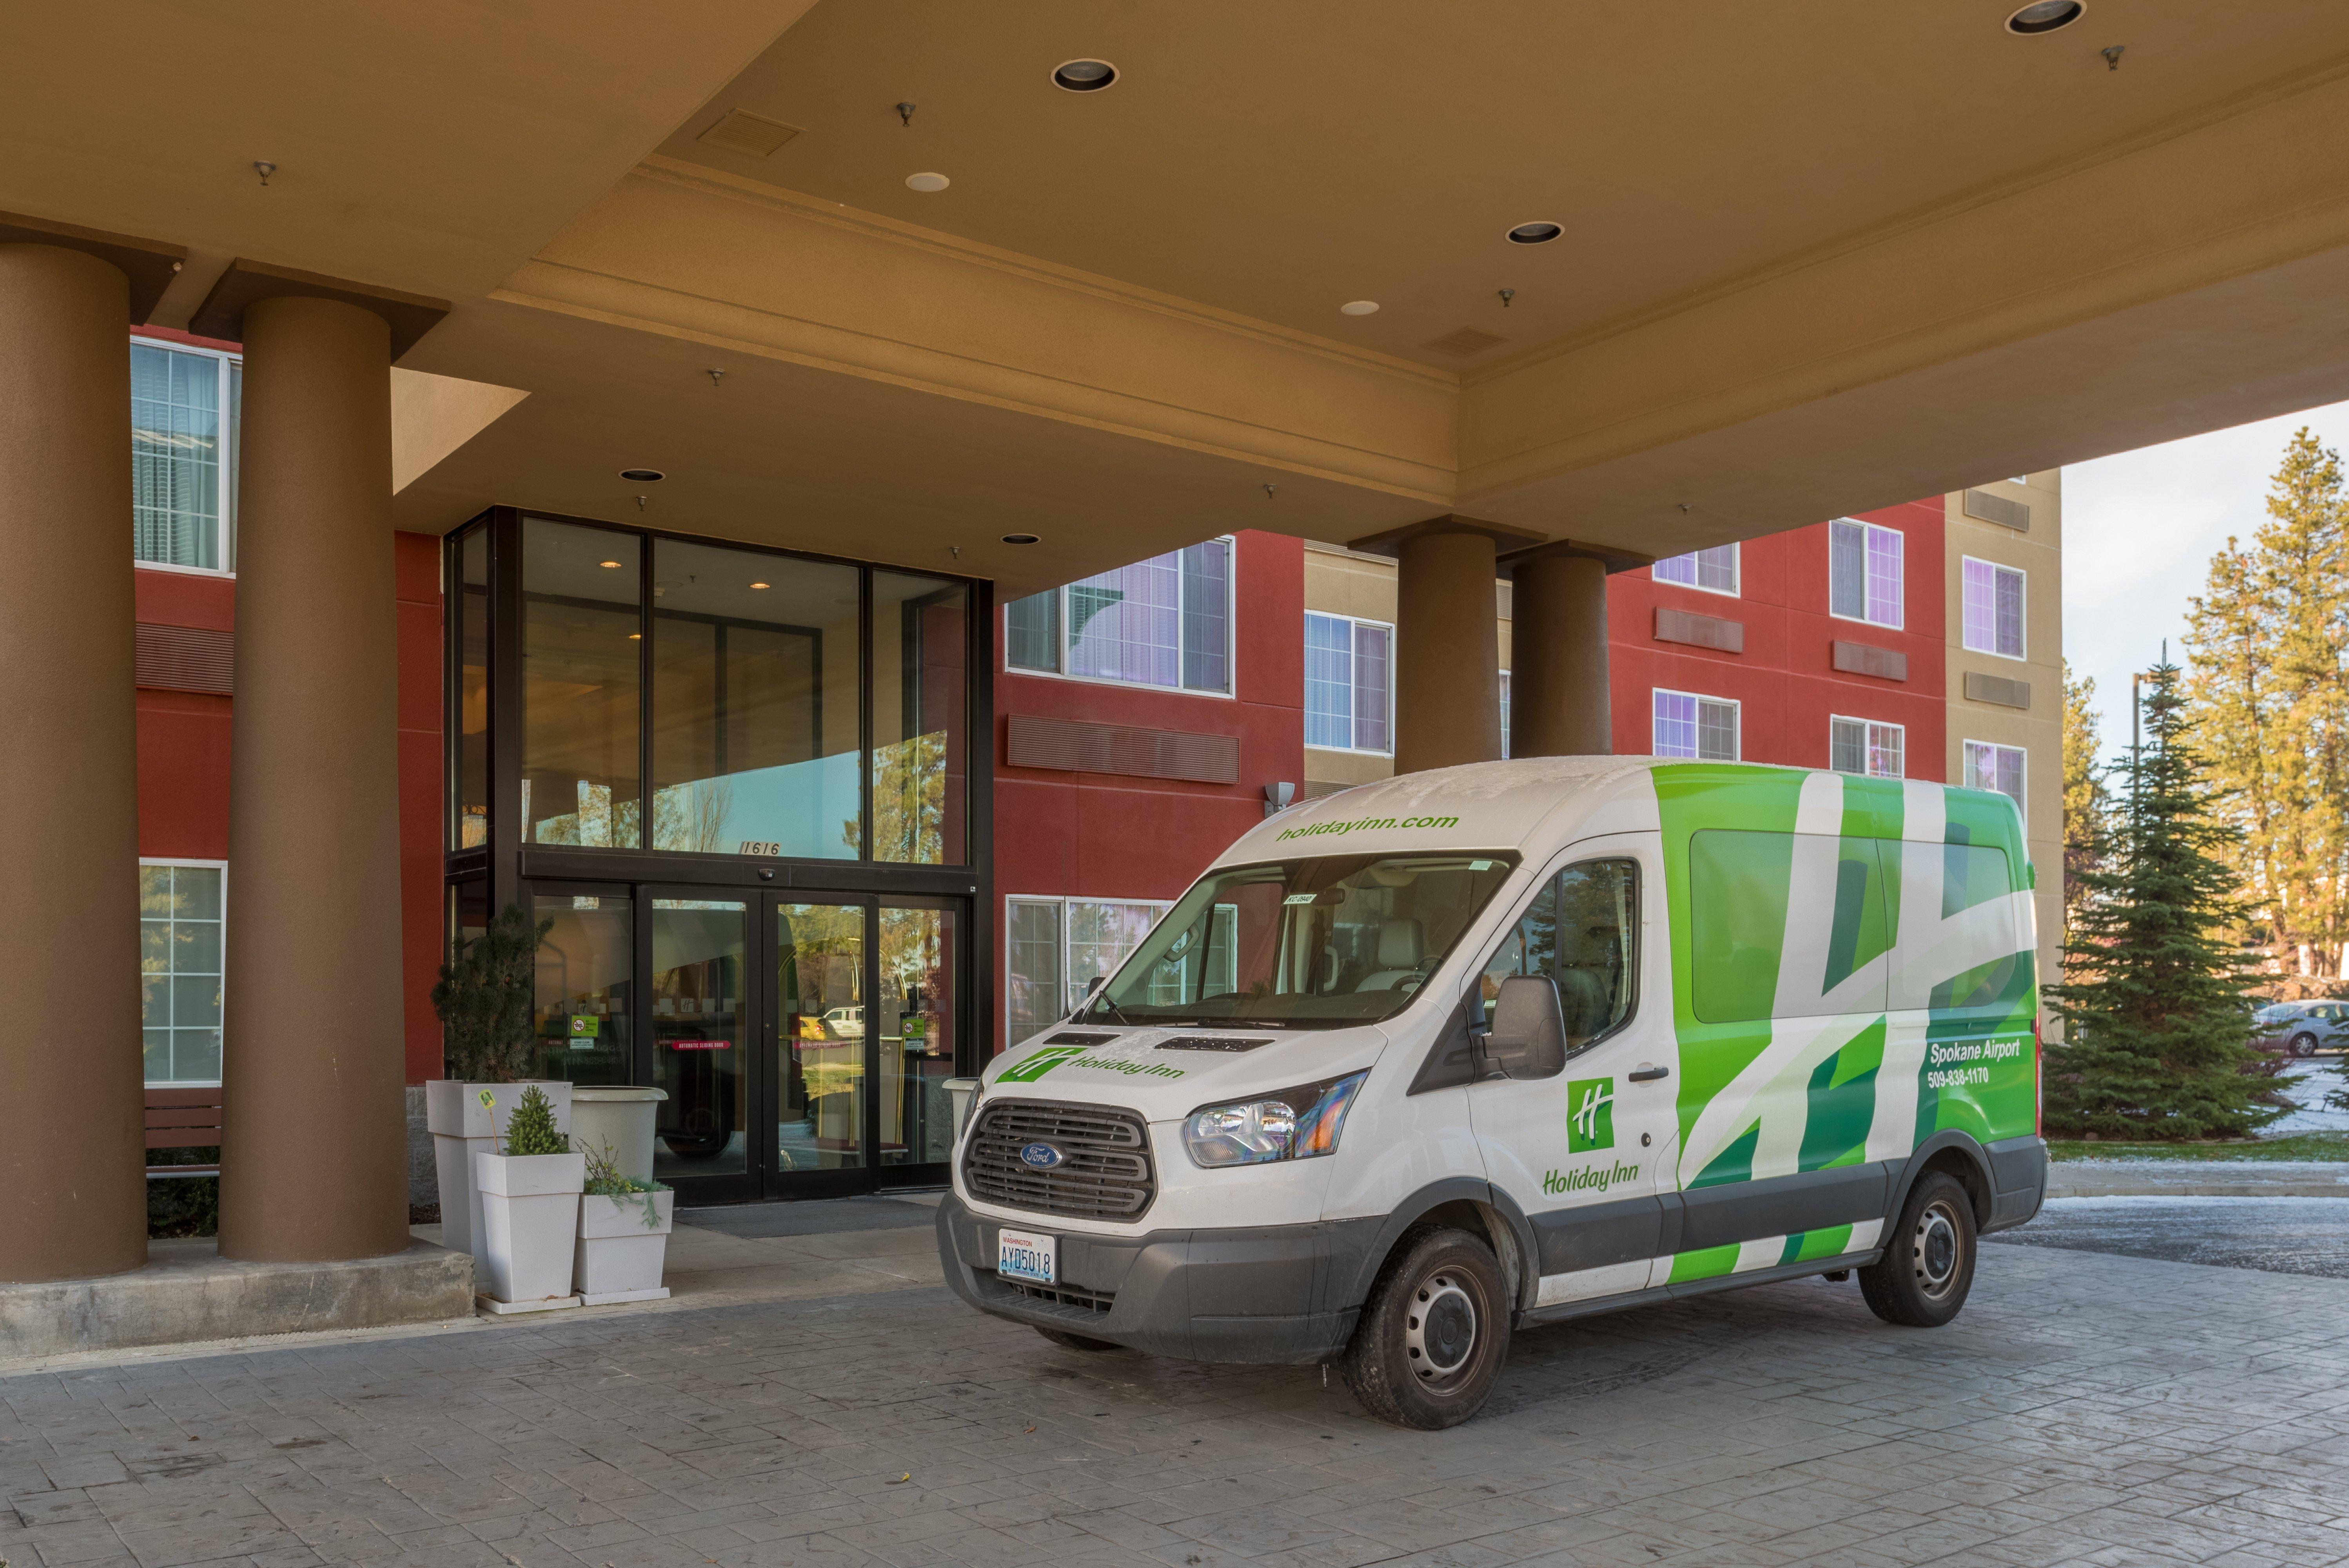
(921, 636)
(582, 628)
(470, 828)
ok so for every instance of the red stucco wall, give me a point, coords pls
(183, 749)
(1786, 680)
(1097, 835)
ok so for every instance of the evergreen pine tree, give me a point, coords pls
(2087, 797)
(484, 1000)
(2153, 1001)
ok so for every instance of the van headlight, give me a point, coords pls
(1300, 1123)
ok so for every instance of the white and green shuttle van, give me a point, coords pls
(1421, 1063)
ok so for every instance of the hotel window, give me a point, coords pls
(182, 925)
(1704, 728)
(1864, 572)
(1865, 746)
(1999, 767)
(1059, 946)
(183, 441)
(1713, 569)
(1992, 609)
(1165, 622)
(1349, 684)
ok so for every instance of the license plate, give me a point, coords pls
(1025, 1256)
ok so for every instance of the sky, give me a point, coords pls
(2139, 531)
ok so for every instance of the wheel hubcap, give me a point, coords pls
(1937, 1247)
(1439, 1330)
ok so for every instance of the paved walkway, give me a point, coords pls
(2087, 1409)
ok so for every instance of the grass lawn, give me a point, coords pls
(2300, 1146)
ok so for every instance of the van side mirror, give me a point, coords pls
(1528, 1037)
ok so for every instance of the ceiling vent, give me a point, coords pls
(1465, 343)
(742, 131)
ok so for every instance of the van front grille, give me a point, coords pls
(1104, 1172)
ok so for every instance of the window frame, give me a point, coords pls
(1062, 902)
(1865, 745)
(2023, 609)
(1060, 650)
(1736, 589)
(1506, 715)
(1635, 956)
(1354, 658)
(2023, 769)
(1736, 706)
(199, 863)
(1868, 530)
(231, 423)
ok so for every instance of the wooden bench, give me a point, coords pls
(183, 1118)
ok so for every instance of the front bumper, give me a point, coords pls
(1270, 1295)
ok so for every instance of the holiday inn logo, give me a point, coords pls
(1590, 1115)
(1039, 1064)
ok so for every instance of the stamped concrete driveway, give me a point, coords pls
(2086, 1409)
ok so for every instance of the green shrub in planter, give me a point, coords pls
(531, 1129)
(484, 999)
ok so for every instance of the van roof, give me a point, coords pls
(1523, 803)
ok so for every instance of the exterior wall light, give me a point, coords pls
(1083, 75)
(2045, 16)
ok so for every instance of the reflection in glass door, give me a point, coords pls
(916, 1009)
(820, 1036)
(699, 1049)
(583, 1002)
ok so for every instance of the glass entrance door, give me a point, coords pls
(819, 1045)
(918, 1012)
(701, 1001)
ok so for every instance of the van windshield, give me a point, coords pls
(1324, 942)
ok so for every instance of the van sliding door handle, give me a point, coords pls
(1645, 1073)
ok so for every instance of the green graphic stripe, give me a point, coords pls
(1707, 1263)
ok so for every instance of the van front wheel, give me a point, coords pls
(1928, 1258)
(1433, 1334)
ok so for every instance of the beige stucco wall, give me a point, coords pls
(2039, 729)
(1341, 581)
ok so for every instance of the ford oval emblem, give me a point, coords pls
(1041, 1156)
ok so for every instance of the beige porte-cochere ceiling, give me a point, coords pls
(1812, 259)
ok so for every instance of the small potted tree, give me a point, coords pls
(484, 1003)
(624, 1226)
(529, 1209)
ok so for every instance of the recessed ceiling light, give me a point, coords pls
(1022, 539)
(609, 565)
(1358, 308)
(758, 584)
(635, 636)
(1539, 234)
(1083, 75)
(2045, 16)
(643, 476)
(926, 181)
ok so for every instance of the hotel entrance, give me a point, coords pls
(734, 789)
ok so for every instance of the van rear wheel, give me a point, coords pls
(1928, 1258)
(1433, 1334)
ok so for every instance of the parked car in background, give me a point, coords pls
(2301, 1028)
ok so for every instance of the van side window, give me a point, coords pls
(1582, 930)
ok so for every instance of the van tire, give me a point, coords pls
(1928, 1258)
(1060, 1337)
(1386, 1363)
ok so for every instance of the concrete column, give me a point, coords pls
(1447, 652)
(314, 1150)
(72, 1161)
(1557, 675)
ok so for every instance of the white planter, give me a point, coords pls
(461, 1129)
(529, 1228)
(619, 1255)
(621, 1116)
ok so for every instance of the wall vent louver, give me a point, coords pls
(2006, 693)
(1865, 659)
(184, 658)
(1072, 746)
(753, 135)
(1466, 342)
(1997, 508)
(1700, 630)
